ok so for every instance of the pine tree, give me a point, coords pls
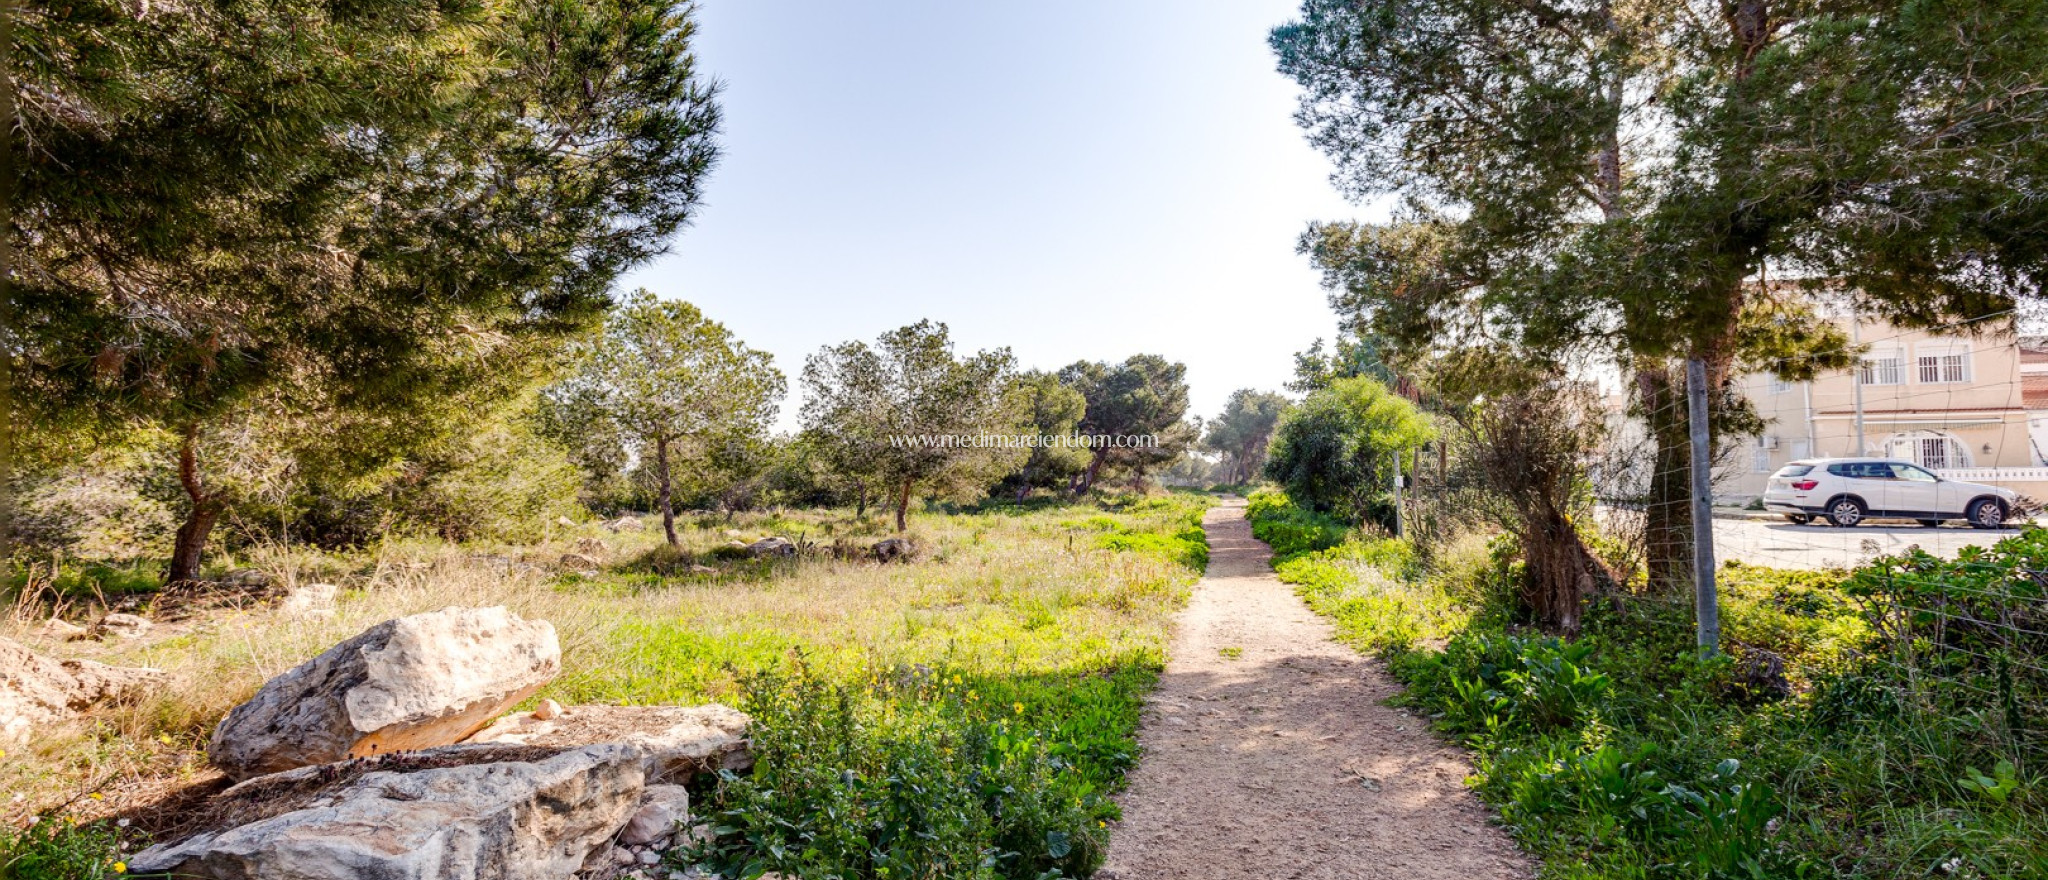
(329, 207)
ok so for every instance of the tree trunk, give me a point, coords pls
(1560, 571)
(1667, 505)
(665, 497)
(1087, 478)
(1024, 484)
(902, 507)
(189, 553)
(860, 500)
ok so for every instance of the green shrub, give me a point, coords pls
(927, 773)
(57, 848)
(1625, 753)
(1289, 529)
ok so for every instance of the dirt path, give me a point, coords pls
(1269, 755)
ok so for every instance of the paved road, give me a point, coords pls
(1784, 545)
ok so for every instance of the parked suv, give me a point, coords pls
(1848, 491)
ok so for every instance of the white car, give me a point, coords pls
(1848, 491)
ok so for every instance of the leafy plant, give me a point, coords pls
(1998, 787)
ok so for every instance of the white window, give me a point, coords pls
(1945, 365)
(1882, 368)
(1780, 386)
(1761, 463)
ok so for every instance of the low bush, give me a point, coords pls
(1885, 722)
(1626, 754)
(926, 773)
(57, 847)
(1290, 529)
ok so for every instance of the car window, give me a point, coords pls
(1794, 470)
(1862, 470)
(1909, 472)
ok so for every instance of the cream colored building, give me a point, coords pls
(1956, 404)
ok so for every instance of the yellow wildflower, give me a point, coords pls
(120, 867)
(1019, 707)
(97, 796)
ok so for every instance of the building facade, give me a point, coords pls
(1965, 405)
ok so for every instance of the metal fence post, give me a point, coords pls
(1706, 603)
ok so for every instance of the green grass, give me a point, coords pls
(963, 715)
(1622, 754)
(61, 849)
(1289, 529)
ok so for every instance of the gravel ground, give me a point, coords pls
(1269, 754)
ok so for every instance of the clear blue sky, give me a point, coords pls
(1071, 178)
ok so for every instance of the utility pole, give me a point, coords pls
(1398, 524)
(1706, 603)
(1856, 379)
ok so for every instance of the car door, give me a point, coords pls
(1861, 479)
(1912, 490)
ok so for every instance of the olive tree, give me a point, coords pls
(909, 414)
(665, 379)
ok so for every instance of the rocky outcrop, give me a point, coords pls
(624, 524)
(775, 546)
(538, 819)
(37, 690)
(411, 683)
(679, 741)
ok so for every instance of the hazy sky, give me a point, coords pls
(1069, 178)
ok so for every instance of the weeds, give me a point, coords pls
(1904, 741)
(1057, 641)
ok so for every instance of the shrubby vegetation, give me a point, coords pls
(1338, 451)
(968, 714)
(1863, 726)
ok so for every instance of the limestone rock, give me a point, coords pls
(662, 808)
(579, 562)
(309, 600)
(679, 740)
(127, 626)
(411, 683)
(62, 630)
(775, 546)
(246, 579)
(37, 690)
(624, 524)
(506, 820)
(592, 547)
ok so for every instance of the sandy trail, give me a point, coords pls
(1268, 753)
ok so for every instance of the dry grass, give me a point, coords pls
(1009, 591)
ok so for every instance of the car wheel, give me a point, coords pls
(1798, 519)
(1845, 512)
(1987, 514)
(1931, 523)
